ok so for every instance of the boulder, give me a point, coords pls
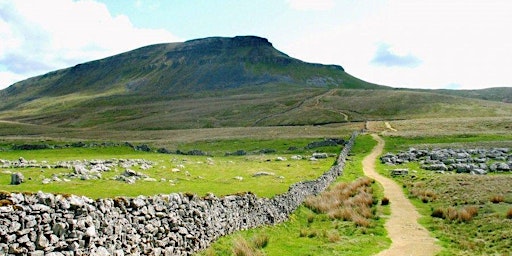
(17, 178)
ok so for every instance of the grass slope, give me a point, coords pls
(272, 106)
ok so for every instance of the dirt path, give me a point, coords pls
(407, 236)
(389, 127)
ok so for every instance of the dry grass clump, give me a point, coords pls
(465, 214)
(242, 247)
(424, 194)
(509, 214)
(333, 236)
(346, 201)
(496, 199)
(5, 202)
(260, 241)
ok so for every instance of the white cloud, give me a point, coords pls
(310, 5)
(386, 56)
(458, 42)
(41, 36)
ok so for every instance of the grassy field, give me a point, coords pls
(468, 214)
(215, 173)
(313, 232)
(452, 198)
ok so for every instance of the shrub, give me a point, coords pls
(496, 199)
(385, 201)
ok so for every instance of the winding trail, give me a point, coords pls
(407, 236)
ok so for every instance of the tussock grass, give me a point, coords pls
(496, 199)
(384, 201)
(508, 215)
(464, 214)
(241, 247)
(260, 241)
(346, 201)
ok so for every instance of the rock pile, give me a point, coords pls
(85, 169)
(173, 224)
(474, 161)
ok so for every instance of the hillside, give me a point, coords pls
(502, 94)
(218, 82)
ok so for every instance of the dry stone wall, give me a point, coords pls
(174, 224)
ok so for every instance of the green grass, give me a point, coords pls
(310, 233)
(488, 232)
(396, 143)
(206, 174)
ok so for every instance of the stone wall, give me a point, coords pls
(174, 224)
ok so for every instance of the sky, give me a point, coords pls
(432, 44)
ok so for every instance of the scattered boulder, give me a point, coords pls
(320, 155)
(263, 174)
(17, 178)
(236, 153)
(399, 172)
(474, 161)
(143, 147)
(326, 143)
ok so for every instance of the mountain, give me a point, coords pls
(198, 65)
(214, 82)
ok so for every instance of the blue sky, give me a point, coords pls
(401, 43)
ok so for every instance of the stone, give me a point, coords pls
(36, 253)
(17, 178)
(100, 251)
(23, 239)
(320, 155)
(76, 201)
(40, 208)
(139, 202)
(59, 229)
(91, 231)
(42, 242)
(263, 174)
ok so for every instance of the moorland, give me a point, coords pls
(227, 95)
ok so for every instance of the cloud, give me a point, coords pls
(310, 5)
(386, 57)
(41, 36)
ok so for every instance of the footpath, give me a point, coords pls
(407, 236)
